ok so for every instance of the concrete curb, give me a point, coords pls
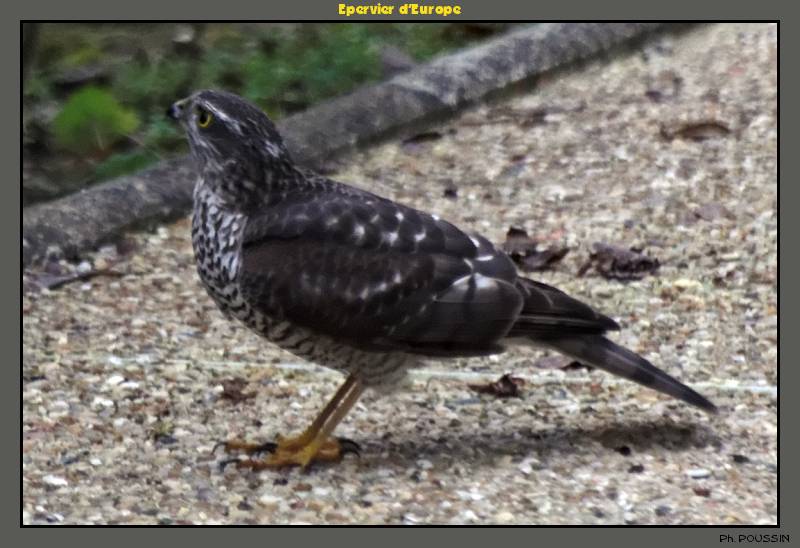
(87, 219)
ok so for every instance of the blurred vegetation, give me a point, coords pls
(92, 120)
(95, 97)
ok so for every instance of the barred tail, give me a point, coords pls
(600, 352)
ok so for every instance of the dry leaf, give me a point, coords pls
(505, 387)
(524, 251)
(232, 390)
(617, 263)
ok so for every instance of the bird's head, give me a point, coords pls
(232, 139)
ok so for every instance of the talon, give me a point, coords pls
(223, 463)
(266, 447)
(348, 446)
(314, 445)
(219, 444)
(249, 448)
(331, 450)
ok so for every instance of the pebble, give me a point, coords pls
(663, 510)
(698, 473)
(59, 407)
(469, 515)
(114, 380)
(101, 402)
(504, 517)
(685, 283)
(528, 465)
(55, 517)
(55, 481)
(269, 500)
(469, 495)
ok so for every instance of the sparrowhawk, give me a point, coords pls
(359, 283)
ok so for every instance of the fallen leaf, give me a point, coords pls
(505, 387)
(450, 191)
(617, 263)
(232, 390)
(697, 131)
(518, 243)
(524, 251)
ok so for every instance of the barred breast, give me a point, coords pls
(216, 240)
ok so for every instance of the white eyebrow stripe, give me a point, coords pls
(222, 116)
(218, 113)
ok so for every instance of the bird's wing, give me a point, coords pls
(378, 275)
(548, 312)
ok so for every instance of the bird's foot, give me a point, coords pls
(295, 451)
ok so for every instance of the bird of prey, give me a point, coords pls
(359, 283)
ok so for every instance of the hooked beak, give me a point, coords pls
(176, 111)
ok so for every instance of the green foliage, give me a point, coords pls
(424, 40)
(315, 63)
(36, 88)
(85, 55)
(123, 163)
(92, 121)
(151, 86)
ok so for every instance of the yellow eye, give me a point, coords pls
(204, 118)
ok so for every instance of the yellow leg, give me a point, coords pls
(321, 448)
(315, 443)
(311, 432)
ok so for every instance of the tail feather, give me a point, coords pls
(600, 352)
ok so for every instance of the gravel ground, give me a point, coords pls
(129, 381)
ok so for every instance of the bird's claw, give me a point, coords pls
(223, 463)
(348, 446)
(249, 448)
(281, 456)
